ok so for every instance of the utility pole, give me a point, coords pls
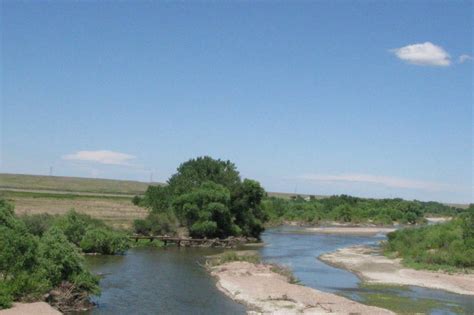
(151, 177)
(50, 171)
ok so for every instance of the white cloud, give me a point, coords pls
(464, 58)
(423, 54)
(100, 156)
(388, 181)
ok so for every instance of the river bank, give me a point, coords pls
(370, 265)
(37, 308)
(264, 291)
(351, 230)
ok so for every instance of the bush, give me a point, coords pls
(38, 224)
(447, 245)
(92, 235)
(31, 265)
(104, 241)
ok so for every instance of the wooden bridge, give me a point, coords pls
(192, 242)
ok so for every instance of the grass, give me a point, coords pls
(61, 196)
(405, 305)
(73, 184)
(230, 256)
(286, 272)
(250, 256)
(118, 212)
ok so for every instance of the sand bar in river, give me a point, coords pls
(369, 264)
(266, 292)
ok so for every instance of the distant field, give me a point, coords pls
(72, 184)
(116, 211)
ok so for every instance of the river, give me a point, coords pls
(172, 281)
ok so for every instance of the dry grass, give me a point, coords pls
(117, 212)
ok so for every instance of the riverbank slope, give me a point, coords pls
(370, 265)
(264, 291)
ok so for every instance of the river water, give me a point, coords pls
(299, 251)
(172, 280)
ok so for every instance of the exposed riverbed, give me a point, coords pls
(171, 281)
(299, 250)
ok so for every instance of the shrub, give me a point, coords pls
(38, 224)
(30, 266)
(91, 235)
(104, 241)
(447, 245)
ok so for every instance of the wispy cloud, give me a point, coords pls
(464, 58)
(100, 156)
(423, 54)
(388, 181)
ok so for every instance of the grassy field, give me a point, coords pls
(109, 200)
(115, 211)
(72, 184)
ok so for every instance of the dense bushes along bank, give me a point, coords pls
(353, 210)
(42, 252)
(209, 199)
(446, 246)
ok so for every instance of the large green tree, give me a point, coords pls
(209, 198)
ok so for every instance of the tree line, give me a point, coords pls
(208, 198)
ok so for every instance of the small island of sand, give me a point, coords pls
(264, 291)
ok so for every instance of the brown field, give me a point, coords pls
(118, 212)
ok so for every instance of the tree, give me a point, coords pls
(247, 209)
(205, 211)
(193, 173)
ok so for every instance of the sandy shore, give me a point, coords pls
(351, 230)
(373, 267)
(37, 308)
(266, 292)
(438, 219)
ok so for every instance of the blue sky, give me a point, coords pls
(325, 97)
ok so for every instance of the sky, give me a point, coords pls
(367, 98)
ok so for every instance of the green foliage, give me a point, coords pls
(38, 224)
(156, 224)
(104, 241)
(91, 235)
(195, 172)
(208, 197)
(447, 245)
(31, 265)
(351, 209)
(230, 256)
(247, 209)
(136, 200)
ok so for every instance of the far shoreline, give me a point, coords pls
(373, 268)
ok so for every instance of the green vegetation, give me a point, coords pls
(352, 210)
(285, 272)
(90, 235)
(5, 194)
(441, 246)
(32, 264)
(230, 256)
(207, 197)
(404, 304)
